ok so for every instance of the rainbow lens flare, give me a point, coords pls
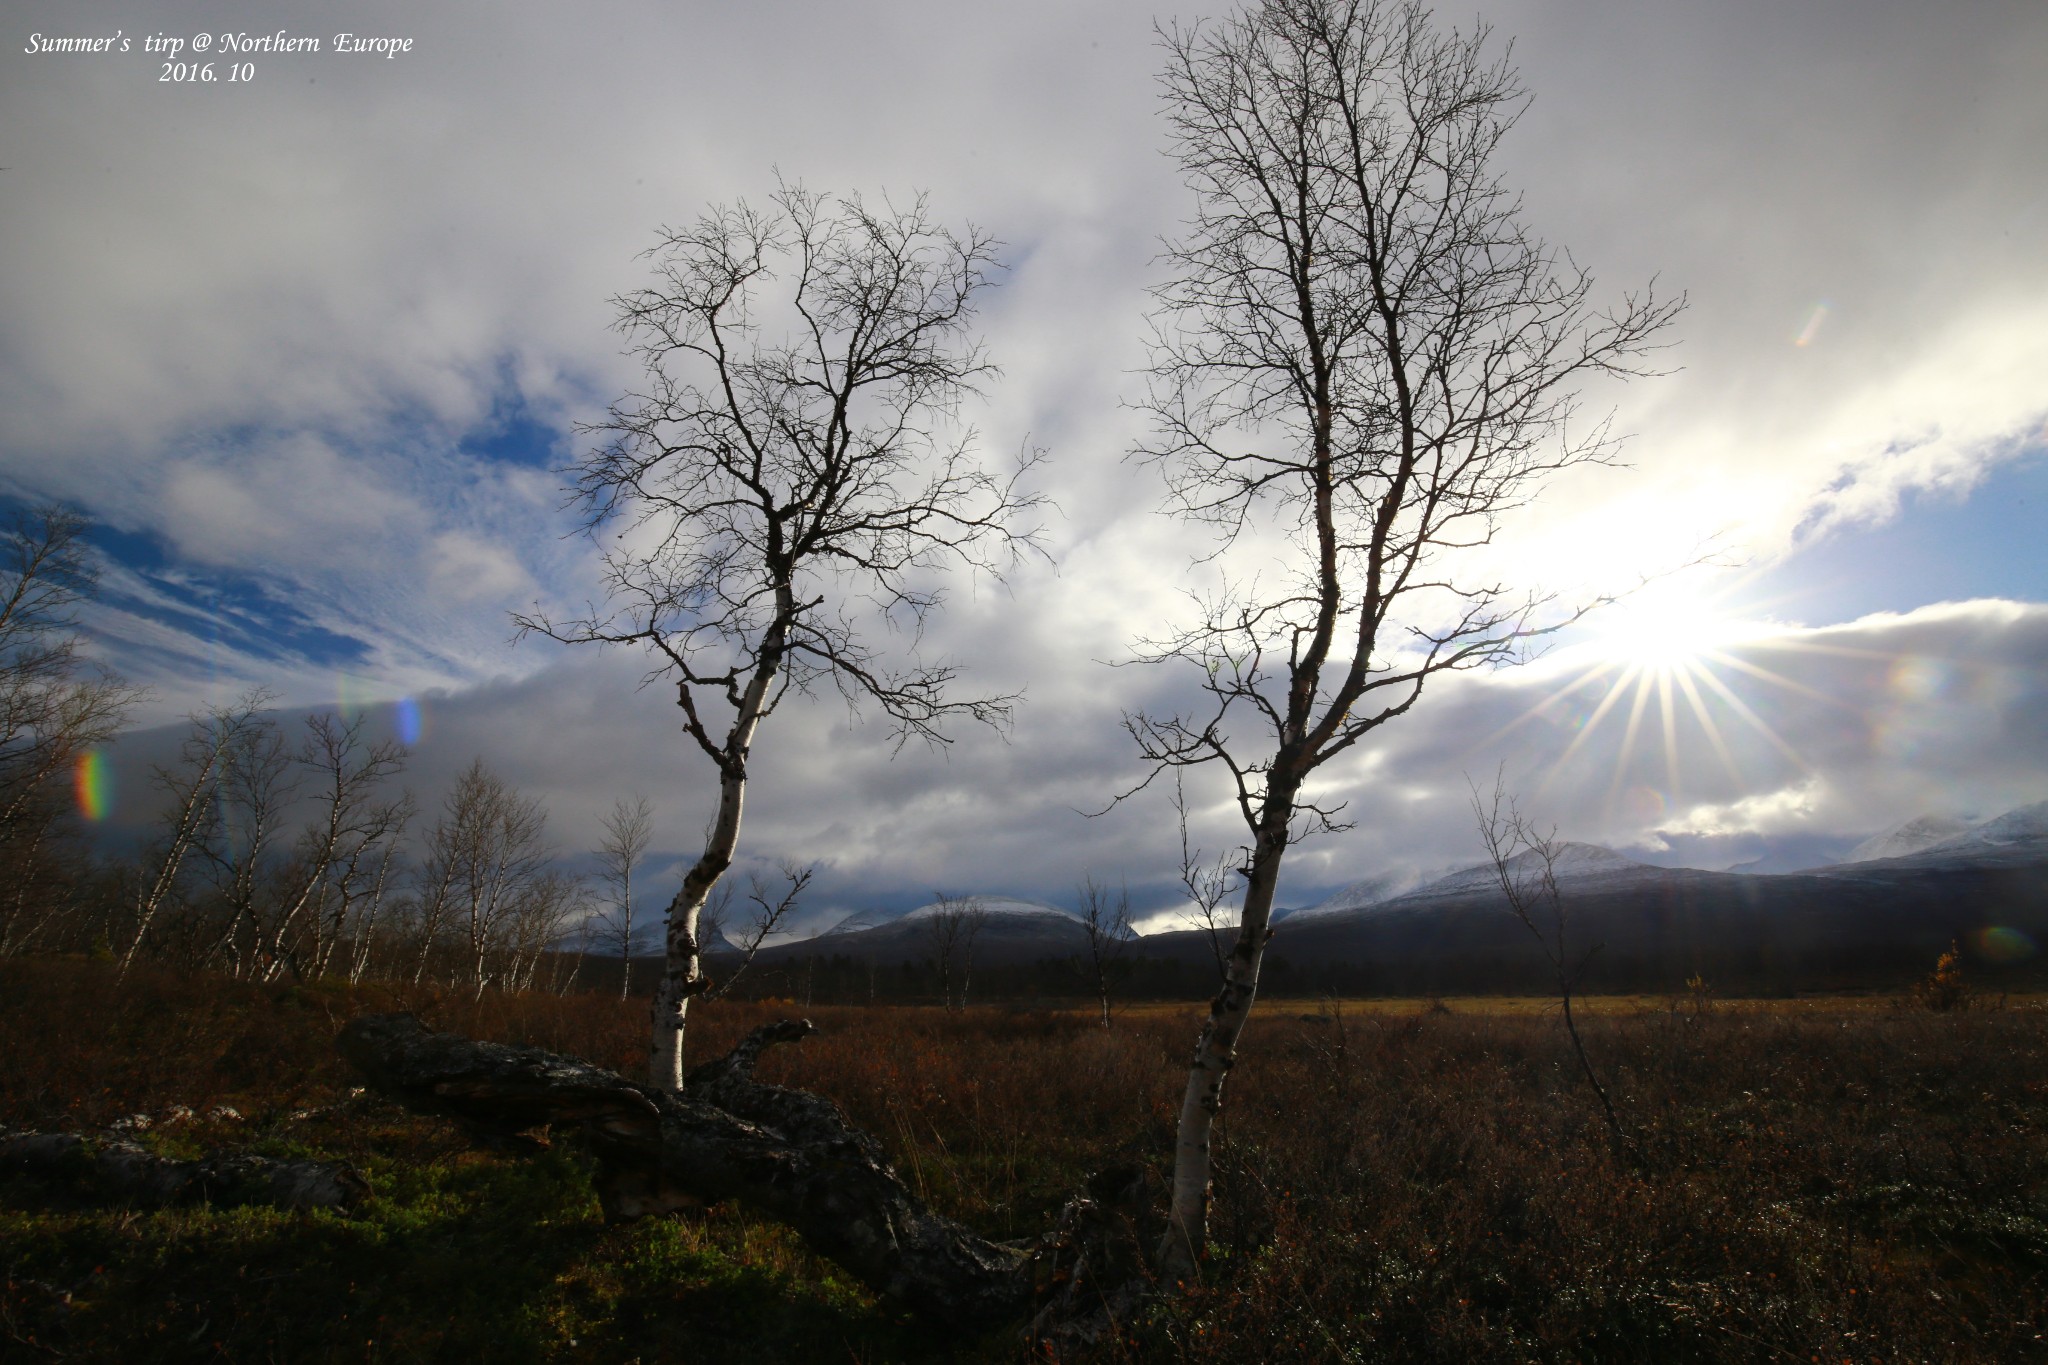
(1814, 322)
(2001, 943)
(93, 785)
(349, 697)
(411, 724)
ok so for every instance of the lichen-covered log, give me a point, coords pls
(119, 1170)
(784, 1153)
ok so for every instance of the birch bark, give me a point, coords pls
(785, 497)
(1365, 356)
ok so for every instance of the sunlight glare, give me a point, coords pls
(1661, 631)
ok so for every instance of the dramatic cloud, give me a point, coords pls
(310, 348)
(1803, 740)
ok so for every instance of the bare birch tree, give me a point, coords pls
(192, 812)
(787, 479)
(945, 929)
(364, 915)
(1107, 924)
(343, 849)
(279, 908)
(54, 705)
(538, 919)
(254, 792)
(485, 879)
(627, 830)
(269, 901)
(1363, 355)
(431, 901)
(1524, 861)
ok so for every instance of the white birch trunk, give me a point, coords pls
(1216, 1052)
(366, 925)
(192, 815)
(682, 975)
(432, 908)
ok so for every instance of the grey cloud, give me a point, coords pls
(1938, 710)
(262, 324)
(1847, 729)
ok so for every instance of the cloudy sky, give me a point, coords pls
(309, 348)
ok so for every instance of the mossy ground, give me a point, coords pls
(1856, 1180)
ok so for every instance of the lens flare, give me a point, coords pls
(2001, 943)
(1916, 679)
(349, 697)
(410, 721)
(92, 785)
(1644, 805)
(1814, 320)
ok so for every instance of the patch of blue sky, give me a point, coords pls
(516, 434)
(220, 612)
(1939, 547)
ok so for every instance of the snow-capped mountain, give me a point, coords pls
(1573, 861)
(1933, 840)
(1359, 894)
(1906, 895)
(1014, 932)
(2026, 825)
(994, 906)
(1900, 841)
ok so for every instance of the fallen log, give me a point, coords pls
(785, 1153)
(119, 1170)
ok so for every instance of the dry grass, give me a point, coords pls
(1817, 1180)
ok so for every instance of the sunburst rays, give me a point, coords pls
(1675, 678)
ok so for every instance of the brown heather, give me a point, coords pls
(1829, 1180)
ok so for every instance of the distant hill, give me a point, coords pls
(1877, 919)
(1871, 921)
(863, 920)
(1902, 840)
(1016, 932)
(1370, 891)
(1574, 860)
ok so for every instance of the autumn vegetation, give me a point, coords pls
(1841, 1179)
(1361, 353)
(1846, 1178)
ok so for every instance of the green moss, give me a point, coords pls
(458, 1256)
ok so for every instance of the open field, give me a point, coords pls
(1629, 1006)
(1825, 1179)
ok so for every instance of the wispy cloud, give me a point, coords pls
(312, 349)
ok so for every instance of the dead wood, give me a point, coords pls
(117, 1170)
(788, 1154)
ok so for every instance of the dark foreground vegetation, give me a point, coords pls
(1856, 1180)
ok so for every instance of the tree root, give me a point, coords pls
(115, 1169)
(785, 1153)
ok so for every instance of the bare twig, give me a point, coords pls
(1524, 864)
(1363, 351)
(771, 498)
(772, 905)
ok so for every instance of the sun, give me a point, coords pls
(1653, 666)
(1662, 629)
